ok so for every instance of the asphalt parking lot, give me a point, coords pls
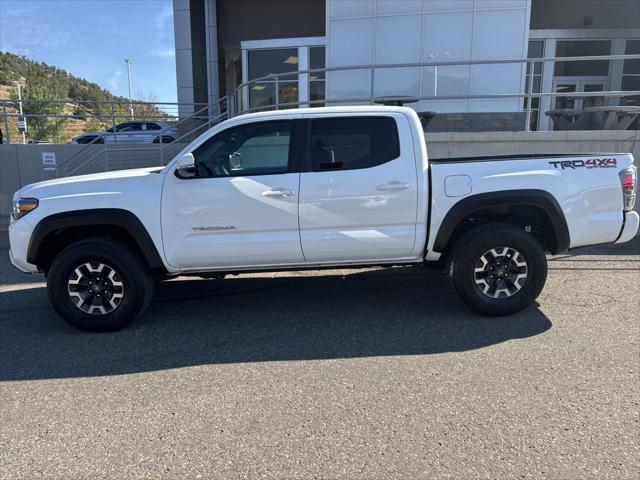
(335, 374)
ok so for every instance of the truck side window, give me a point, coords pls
(252, 149)
(352, 142)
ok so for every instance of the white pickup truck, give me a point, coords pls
(314, 188)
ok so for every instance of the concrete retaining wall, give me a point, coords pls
(23, 164)
(467, 144)
(478, 122)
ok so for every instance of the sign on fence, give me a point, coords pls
(49, 160)
(22, 124)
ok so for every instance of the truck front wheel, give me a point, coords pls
(497, 269)
(99, 285)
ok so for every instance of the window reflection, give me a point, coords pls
(316, 79)
(262, 63)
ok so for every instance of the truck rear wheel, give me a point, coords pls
(497, 269)
(99, 285)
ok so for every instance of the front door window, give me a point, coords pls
(247, 150)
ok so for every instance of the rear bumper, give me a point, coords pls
(630, 228)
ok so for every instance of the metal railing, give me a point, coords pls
(101, 115)
(184, 122)
(237, 102)
(94, 125)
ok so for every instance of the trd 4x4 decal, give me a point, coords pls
(591, 163)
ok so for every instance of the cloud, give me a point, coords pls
(114, 80)
(164, 16)
(31, 36)
(23, 30)
(164, 52)
(164, 24)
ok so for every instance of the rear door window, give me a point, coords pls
(352, 142)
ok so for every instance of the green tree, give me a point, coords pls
(93, 125)
(42, 123)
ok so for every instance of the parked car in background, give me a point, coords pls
(131, 132)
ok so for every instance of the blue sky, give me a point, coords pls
(91, 39)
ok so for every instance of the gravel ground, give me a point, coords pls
(335, 374)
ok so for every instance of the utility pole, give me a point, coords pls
(24, 140)
(129, 62)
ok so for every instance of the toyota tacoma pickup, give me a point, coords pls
(316, 188)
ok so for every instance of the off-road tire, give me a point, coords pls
(466, 256)
(132, 273)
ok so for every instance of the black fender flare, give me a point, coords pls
(94, 217)
(532, 197)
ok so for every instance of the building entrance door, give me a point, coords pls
(285, 58)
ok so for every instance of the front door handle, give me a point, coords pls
(279, 192)
(393, 187)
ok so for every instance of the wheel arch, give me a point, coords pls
(55, 232)
(509, 206)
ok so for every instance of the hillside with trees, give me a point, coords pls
(62, 120)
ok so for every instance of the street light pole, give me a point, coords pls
(129, 62)
(24, 140)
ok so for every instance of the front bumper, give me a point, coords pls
(630, 228)
(19, 237)
(22, 266)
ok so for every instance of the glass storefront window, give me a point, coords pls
(632, 67)
(262, 63)
(316, 79)
(565, 103)
(631, 75)
(263, 94)
(316, 60)
(272, 61)
(536, 50)
(582, 48)
(286, 63)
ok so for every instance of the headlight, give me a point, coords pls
(22, 206)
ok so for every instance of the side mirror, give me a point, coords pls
(186, 166)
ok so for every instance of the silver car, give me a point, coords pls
(131, 132)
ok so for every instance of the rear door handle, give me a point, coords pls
(393, 187)
(279, 192)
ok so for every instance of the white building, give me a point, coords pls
(222, 43)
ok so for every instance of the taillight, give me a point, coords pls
(629, 182)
